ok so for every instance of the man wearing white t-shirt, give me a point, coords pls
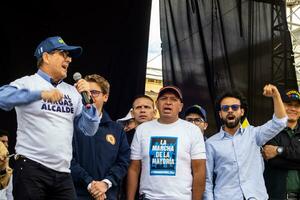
(169, 153)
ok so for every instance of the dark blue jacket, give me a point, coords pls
(106, 155)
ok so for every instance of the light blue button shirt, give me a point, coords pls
(234, 165)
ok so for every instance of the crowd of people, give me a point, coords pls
(67, 148)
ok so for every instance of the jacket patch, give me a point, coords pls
(111, 139)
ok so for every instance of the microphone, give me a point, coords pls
(85, 98)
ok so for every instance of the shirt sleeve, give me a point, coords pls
(11, 96)
(269, 130)
(79, 174)
(136, 146)
(88, 120)
(209, 183)
(119, 169)
(198, 146)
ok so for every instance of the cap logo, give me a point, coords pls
(111, 139)
(61, 41)
(293, 94)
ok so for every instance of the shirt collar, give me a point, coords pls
(48, 78)
(224, 134)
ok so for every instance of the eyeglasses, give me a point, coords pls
(64, 54)
(95, 93)
(234, 107)
(195, 120)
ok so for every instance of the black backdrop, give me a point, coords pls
(113, 34)
(213, 45)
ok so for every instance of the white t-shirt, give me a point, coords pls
(45, 129)
(166, 151)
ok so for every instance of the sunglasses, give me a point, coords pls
(234, 107)
(64, 54)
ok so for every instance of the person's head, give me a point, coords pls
(143, 109)
(54, 56)
(99, 88)
(4, 137)
(232, 107)
(291, 100)
(197, 115)
(128, 121)
(169, 104)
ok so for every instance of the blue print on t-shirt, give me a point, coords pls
(163, 155)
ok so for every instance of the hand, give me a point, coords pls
(53, 95)
(270, 91)
(269, 151)
(101, 197)
(3, 157)
(98, 189)
(83, 86)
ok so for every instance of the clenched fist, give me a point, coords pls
(271, 91)
(53, 95)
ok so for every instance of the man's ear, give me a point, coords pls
(242, 111)
(105, 98)
(205, 126)
(45, 57)
(181, 106)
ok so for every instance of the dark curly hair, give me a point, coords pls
(234, 94)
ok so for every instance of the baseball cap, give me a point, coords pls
(291, 95)
(126, 118)
(196, 109)
(172, 89)
(56, 43)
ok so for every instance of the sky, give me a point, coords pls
(154, 49)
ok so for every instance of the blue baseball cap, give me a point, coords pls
(56, 43)
(196, 109)
(291, 95)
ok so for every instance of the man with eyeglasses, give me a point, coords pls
(196, 115)
(46, 109)
(168, 154)
(100, 162)
(234, 168)
(282, 154)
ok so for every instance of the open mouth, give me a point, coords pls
(167, 109)
(65, 66)
(230, 117)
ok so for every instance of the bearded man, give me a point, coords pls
(234, 166)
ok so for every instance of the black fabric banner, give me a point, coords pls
(210, 46)
(113, 34)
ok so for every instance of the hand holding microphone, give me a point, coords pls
(83, 88)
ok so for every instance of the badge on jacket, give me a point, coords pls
(111, 139)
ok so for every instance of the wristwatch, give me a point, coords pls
(279, 150)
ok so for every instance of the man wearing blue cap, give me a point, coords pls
(282, 169)
(196, 115)
(46, 108)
